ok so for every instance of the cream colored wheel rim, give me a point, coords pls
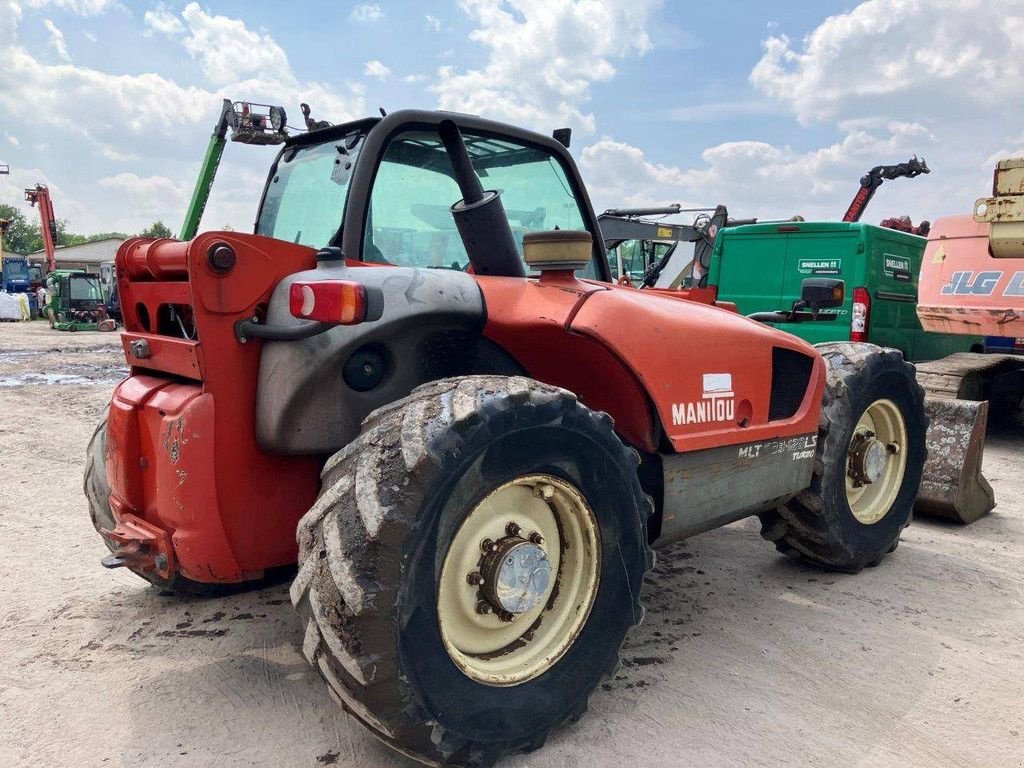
(546, 523)
(876, 461)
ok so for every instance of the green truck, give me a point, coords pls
(760, 268)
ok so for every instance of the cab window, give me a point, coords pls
(409, 222)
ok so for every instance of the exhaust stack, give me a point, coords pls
(479, 215)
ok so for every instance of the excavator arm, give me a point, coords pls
(872, 180)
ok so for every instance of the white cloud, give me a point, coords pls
(433, 23)
(151, 120)
(367, 13)
(57, 40)
(164, 22)
(236, 59)
(12, 140)
(90, 37)
(940, 76)
(414, 78)
(543, 57)
(81, 7)
(755, 178)
(899, 57)
(376, 69)
(228, 50)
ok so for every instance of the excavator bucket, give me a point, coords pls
(952, 485)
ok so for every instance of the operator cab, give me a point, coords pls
(383, 190)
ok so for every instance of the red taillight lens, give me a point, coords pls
(329, 301)
(861, 315)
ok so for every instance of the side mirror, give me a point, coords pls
(817, 293)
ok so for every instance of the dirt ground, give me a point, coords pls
(745, 658)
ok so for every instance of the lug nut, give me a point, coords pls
(487, 545)
(483, 607)
(506, 616)
(893, 448)
(536, 538)
(474, 579)
(512, 529)
(544, 491)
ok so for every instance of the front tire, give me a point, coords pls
(415, 524)
(870, 455)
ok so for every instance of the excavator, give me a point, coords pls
(972, 282)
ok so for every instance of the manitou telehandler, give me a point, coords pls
(419, 368)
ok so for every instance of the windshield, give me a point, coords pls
(305, 199)
(410, 222)
(15, 270)
(81, 288)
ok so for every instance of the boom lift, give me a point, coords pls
(250, 123)
(456, 420)
(972, 282)
(872, 180)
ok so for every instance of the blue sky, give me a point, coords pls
(774, 109)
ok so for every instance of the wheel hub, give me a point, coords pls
(519, 579)
(516, 576)
(868, 457)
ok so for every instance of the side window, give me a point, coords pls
(410, 222)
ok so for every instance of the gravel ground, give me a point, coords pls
(745, 659)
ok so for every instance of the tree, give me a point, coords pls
(156, 229)
(22, 236)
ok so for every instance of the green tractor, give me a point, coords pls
(75, 302)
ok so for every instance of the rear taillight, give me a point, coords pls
(329, 301)
(861, 315)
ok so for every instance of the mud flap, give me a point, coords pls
(952, 485)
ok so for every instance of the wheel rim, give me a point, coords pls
(519, 580)
(876, 461)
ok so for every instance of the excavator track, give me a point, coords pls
(961, 391)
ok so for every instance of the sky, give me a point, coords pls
(774, 109)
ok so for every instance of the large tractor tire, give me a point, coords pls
(97, 494)
(471, 567)
(870, 454)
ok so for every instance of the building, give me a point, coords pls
(87, 256)
(96, 258)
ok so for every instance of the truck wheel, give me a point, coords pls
(471, 567)
(97, 494)
(870, 454)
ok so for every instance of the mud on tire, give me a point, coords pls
(819, 525)
(373, 546)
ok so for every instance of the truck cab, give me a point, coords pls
(760, 267)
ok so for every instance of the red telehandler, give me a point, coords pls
(417, 378)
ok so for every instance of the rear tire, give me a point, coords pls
(376, 549)
(842, 522)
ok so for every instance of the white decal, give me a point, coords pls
(799, 448)
(717, 403)
(718, 384)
